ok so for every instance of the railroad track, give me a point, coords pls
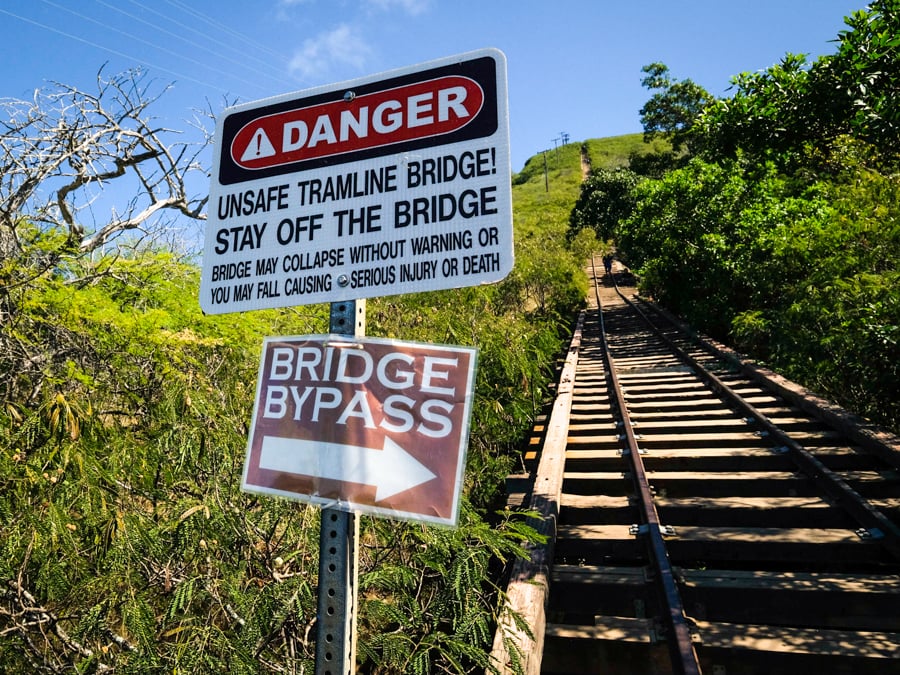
(702, 517)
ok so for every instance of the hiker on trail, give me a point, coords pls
(607, 263)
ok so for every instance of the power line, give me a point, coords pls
(109, 49)
(137, 38)
(219, 28)
(218, 25)
(180, 36)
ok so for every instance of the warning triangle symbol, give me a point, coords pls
(259, 146)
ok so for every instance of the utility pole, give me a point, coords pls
(546, 180)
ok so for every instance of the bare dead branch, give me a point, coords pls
(63, 148)
(27, 616)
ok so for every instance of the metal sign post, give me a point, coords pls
(338, 555)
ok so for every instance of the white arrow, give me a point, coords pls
(390, 470)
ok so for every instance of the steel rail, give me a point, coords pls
(874, 524)
(878, 441)
(681, 646)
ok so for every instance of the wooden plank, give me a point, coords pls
(593, 544)
(731, 459)
(733, 424)
(594, 428)
(817, 582)
(607, 628)
(637, 408)
(712, 438)
(580, 592)
(787, 640)
(627, 646)
(690, 484)
(604, 450)
(528, 589)
(848, 601)
(723, 535)
(599, 574)
(571, 501)
(808, 512)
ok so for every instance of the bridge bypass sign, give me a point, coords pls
(389, 184)
(362, 424)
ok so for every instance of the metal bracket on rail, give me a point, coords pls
(636, 530)
(656, 630)
(869, 533)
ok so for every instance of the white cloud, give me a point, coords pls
(343, 46)
(412, 7)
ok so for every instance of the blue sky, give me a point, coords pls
(574, 65)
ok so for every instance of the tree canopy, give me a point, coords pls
(780, 231)
(674, 109)
(800, 113)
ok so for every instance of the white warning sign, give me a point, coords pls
(396, 183)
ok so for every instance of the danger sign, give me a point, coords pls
(396, 183)
(371, 425)
(420, 110)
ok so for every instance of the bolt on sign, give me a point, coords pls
(362, 424)
(394, 183)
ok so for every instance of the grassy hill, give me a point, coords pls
(616, 151)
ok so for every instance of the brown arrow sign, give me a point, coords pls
(362, 424)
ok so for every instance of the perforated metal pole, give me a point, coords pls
(336, 623)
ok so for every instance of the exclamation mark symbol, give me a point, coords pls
(258, 147)
(494, 160)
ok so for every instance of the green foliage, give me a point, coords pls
(838, 328)
(804, 276)
(673, 110)
(703, 238)
(769, 113)
(426, 602)
(797, 113)
(784, 236)
(119, 481)
(865, 71)
(621, 151)
(606, 198)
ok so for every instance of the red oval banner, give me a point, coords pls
(419, 110)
